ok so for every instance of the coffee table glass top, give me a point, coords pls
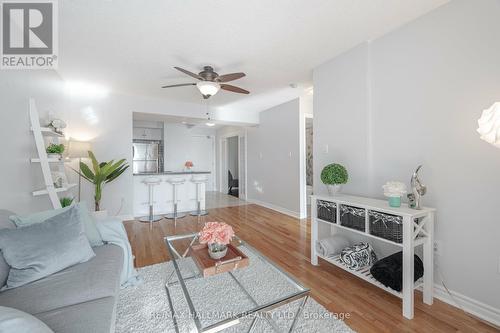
(242, 295)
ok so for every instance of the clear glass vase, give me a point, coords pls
(217, 251)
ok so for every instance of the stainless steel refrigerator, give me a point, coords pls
(146, 157)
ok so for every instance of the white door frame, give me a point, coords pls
(302, 166)
(224, 157)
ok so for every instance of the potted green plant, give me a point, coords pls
(66, 201)
(101, 173)
(333, 176)
(55, 150)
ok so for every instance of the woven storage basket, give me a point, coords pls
(327, 211)
(352, 217)
(386, 226)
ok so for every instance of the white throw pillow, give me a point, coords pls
(13, 320)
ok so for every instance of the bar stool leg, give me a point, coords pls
(151, 217)
(175, 215)
(198, 211)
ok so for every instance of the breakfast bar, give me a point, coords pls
(163, 192)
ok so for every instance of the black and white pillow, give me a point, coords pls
(358, 256)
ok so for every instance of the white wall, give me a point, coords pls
(18, 177)
(414, 96)
(181, 147)
(273, 158)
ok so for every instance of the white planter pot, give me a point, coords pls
(100, 214)
(58, 156)
(334, 189)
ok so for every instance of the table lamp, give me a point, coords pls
(79, 149)
(489, 125)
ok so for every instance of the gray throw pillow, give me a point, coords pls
(89, 224)
(41, 249)
(14, 320)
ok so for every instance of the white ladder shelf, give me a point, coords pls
(418, 230)
(39, 133)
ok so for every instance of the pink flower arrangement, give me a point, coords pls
(216, 232)
(188, 164)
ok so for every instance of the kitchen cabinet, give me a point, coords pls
(144, 133)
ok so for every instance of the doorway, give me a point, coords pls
(232, 166)
(306, 163)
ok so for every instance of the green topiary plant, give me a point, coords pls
(55, 149)
(334, 174)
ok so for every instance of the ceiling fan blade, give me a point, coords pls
(180, 85)
(235, 89)
(196, 76)
(230, 77)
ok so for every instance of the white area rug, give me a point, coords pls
(145, 308)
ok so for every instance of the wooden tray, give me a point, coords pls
(234, 259)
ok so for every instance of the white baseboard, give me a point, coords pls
(472, 306)
(274, 207)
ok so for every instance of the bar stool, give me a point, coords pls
(175, 182)
(151, 182)
(199, 195)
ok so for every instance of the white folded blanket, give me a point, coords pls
(113, 232)
(332, 245)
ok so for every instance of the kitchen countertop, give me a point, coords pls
(166, 173)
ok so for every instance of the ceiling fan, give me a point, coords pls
(210, 82)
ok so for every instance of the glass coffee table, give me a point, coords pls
(259, 295)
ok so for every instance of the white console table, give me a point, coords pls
(418, 230)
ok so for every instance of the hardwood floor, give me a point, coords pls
(285, 240)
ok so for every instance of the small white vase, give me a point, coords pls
(100, 214)
(334, 189)
(217, 251)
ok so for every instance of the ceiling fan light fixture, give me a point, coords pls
(208, 88)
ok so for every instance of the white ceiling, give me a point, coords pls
(132, 45)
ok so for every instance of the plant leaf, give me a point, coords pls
(95, 164)
(115, 174)
(87, 173)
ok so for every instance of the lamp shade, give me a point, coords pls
(489, 125)
(208, 88)
(79, 149)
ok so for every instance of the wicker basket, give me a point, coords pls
(386, 226)
(327, 211)
(352, 217)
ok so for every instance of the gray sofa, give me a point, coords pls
(81, 298)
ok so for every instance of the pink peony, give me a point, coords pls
(216, 232)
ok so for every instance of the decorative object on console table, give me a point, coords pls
(79, 150)
(334, 176)
(418, 190)
(217, 236)
(394, 191)
(489, 125)
(103, 173)
(358, 256)
(353, 217)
